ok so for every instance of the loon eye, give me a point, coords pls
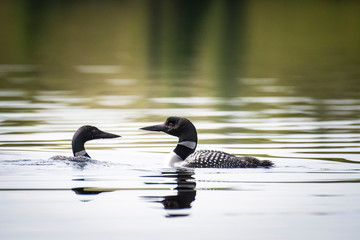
(94, 131)
(171, 124)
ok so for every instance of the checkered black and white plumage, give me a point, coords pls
(219, 159)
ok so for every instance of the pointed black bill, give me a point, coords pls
(156, 128)
(102, 134)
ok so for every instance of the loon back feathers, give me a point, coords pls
(219, 159)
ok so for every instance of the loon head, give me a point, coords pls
(176, 126)
(87, 133)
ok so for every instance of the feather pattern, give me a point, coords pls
(219, 159)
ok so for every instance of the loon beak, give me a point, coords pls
(156, 128)
(102, 134)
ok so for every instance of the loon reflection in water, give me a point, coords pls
(81, 136)
(183, 180)
(184, 155)
(185, 192)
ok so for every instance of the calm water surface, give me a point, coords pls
(286, 90)
(313, 190)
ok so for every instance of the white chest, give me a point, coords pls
(173, 160)
(80, 153)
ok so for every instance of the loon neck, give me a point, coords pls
(185, 148)
(78, 148)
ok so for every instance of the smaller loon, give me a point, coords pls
(184, 154)
(81, 136)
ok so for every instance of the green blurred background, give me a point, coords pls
(182, 48)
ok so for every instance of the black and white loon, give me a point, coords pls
(184, 155)
(81, 136)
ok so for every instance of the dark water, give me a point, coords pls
(277, 80)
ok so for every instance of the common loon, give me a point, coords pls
(81, 136)
(184, 154)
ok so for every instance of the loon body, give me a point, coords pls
(81, 136)
(184, 154)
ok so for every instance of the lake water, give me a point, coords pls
(255, 77)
